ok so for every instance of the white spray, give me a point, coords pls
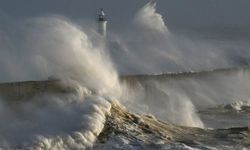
(154, 97)
(148, 18)
(54, 46)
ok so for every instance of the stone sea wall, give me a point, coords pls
(28, 89)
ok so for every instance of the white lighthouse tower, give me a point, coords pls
(102, 23)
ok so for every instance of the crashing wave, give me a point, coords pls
(92, 125)
(236, 106)
(148, 18)
(57, 121)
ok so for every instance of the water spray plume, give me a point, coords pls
(148, 18)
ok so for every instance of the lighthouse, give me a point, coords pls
(102, 23)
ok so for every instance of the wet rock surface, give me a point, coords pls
(132, 131)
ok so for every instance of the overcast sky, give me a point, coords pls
(201, 13)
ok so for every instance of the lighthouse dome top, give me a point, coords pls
(101, 15)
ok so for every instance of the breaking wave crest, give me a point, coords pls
(56, 121)
(178, 97)
(69, 121)
(148, 18)
(235, 106)
(90, 126)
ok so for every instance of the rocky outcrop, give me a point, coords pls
(147, 132)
